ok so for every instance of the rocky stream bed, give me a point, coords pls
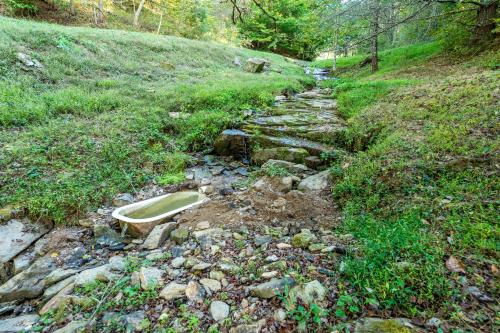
(258, 255)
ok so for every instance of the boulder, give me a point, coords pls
(294, 155)
(272, 288)
(232, 142)
(219, 310)
(293, 168)
(158, 235)
(255, 65)
(273, 184)
(317, 182)
(18, 235)
(377, 325)
(19, 324)
(29, 283)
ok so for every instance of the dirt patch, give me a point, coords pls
(252, 208)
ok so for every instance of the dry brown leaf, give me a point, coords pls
(454, 265)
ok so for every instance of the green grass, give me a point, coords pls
(389, 60)
(422, 184)
(95, 121)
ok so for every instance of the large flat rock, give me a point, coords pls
(16, 236)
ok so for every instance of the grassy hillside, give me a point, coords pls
(422, 185)
(94, 121)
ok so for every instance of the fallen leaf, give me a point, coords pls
(454, 265)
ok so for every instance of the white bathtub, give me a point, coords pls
(141, 217)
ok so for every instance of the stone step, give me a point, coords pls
(314, 148)
(327, 133)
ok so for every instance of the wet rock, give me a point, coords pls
(210, 284)
(255, 65)
(19, 324)
(232, 143)
(294, 155)
(293, 168)
(73, 327)
(150, 277)
(173, 291)
(219, 310)
(105, 236)
(179, 235)
(377, 325)
(310, 293)
(17, 236)
(194, 292)
(272, 288)
(249, 328)
(303, 239)
(29, 283)
(317, 182)
(123, 200)
(158, 235)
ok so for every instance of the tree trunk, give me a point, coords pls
(100, 12)
(138, 12)
(374, 32)
(72, 7)
(485, 22)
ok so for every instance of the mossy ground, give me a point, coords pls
(95, 120)
(422, 185)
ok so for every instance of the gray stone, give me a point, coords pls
(294, 155)
(59, 274)
(19, 324)
(117, 263)
(272, 288)
(309, 293)
(249, 328)
(28, 61)
(194, 292)
(212, 285)
(377, 325)
(201, 266)
(255, 65)
(317, 182)
(219, 310)
(123, 200)
(106, 236)
(179, 235)
(203, 225)
(158, 235)
(173, 291)
(228, 266)
(289, 166)
(73, 327)
(133, 321)
(150, 277)
(17, 236)
(29, 283)
(102, 273)
(178, 262)
(216, 275)
(56, 288)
